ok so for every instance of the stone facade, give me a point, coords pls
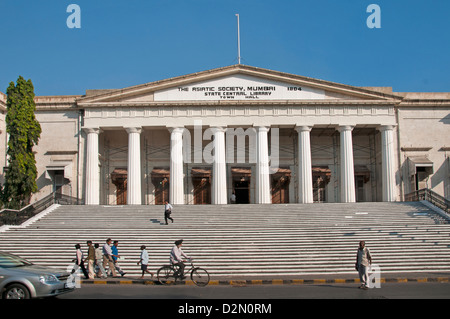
(243, 134)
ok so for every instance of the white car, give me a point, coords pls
(21, 279)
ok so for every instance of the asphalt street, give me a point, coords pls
(261, 292)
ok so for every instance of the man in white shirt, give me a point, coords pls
(167, 212)
(176, 257)
(363, 261)
(144, 262)
(107, 257)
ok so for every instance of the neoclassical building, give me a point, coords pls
(241, 134)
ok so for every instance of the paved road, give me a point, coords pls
(263, 292)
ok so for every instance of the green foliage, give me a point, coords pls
(24, 132)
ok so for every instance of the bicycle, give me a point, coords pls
(169, 274)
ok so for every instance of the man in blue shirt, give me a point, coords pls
(115, 256)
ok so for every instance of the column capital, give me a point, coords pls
(344, 128)
(303, 128)
(91, 130)
(133, 129)
(386, 127)
(175, 129)
(262, 128)
(217, 129)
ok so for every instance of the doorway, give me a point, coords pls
(160, 180)
(359, 188)
(121, 193)
(58, 182)
(202, 191)
(241, 177)
(280, 186)
(201, 182)
(242, 191)
(119, 179)
(321, 177)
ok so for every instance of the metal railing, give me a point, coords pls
(430, 196)
(17, 217)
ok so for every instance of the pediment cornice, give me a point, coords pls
(355, 94)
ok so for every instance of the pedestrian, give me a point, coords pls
(233, 198)
(176, 258)
(79, 261)
(107, 257)
(116, 256)
(91, 259)
(144, 262)
(167, 211)
(99, 261)
(363, 261)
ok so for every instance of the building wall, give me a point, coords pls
(420, 124)
(425, 132)
(58, 148)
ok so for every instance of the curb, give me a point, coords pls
(237, 282)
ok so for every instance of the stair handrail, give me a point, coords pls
(18, 216)
(430, 196)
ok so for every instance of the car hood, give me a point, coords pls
(38, 270)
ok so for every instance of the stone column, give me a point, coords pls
(219, 173)
(387, 163)
(305, 184)
(134, 166)
(92, 196)
(176, 192)
(262, 191)
(347, 166)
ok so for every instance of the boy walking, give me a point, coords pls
(144, 262)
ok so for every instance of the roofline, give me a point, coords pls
(233, 69)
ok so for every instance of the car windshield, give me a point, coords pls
(11, 261)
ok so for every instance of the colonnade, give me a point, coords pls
(219, 180)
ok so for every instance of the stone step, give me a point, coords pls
(246, 239)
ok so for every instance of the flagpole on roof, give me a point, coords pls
(239, 40)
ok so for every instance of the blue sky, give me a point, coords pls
(123, 43)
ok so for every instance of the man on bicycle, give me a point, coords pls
(176, 258)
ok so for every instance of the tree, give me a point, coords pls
(24, 132)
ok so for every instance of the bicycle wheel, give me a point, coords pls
(200, 277)
(165, 275)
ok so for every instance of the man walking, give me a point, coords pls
(167, 212)
(363, 261)
(116, 256)
(79, 260)
(91, 259)
(143, 261)
(99, 261)
(107, 257)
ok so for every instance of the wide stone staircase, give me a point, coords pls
(246, 240)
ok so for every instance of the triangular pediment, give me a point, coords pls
(235, 83)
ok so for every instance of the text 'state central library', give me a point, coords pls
(240, 134)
